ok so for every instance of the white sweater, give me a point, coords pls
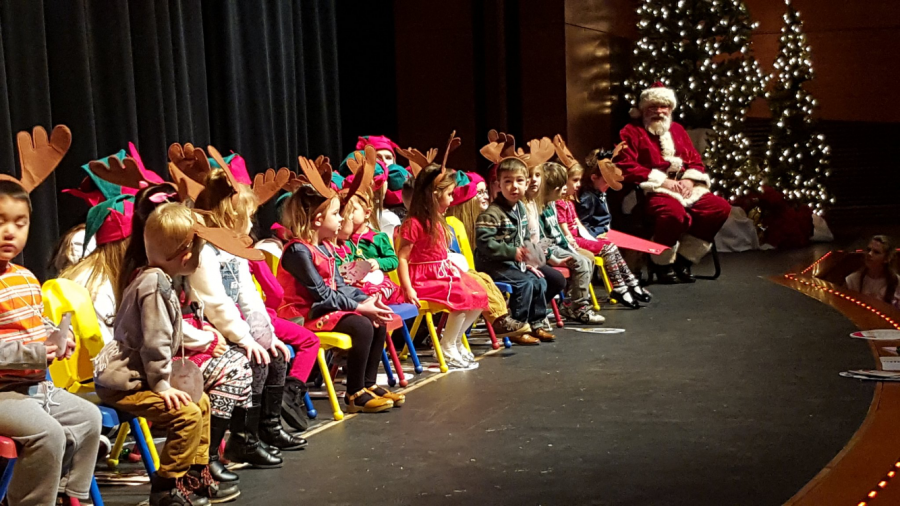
(220, 310)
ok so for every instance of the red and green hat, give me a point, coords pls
(110, 220)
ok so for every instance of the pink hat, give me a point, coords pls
(465, 193)
(377, 142)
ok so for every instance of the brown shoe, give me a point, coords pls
(524, 340)
(543, 335)
(397, 399)
(374, 404)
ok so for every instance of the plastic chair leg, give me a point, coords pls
(493, 335)
(7, 477)
(145, 428)
(113, 461)
(594, 300)
(143, 445)
(329, 385)
(436, 342)
(411, 349)
(95, 493)
(465, 341)
(310, 409)
(387, 368)
(559, 321)
(392, 353)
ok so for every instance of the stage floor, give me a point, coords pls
(720, 393)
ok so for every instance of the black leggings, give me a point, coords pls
(363, 357)
(555, 281)
(268, 375)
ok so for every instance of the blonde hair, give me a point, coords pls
(170, 227)
(230, 208)
(301, 209)
(467, 213)
(555, 177)
(104, 265)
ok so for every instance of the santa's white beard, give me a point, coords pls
(658, 126)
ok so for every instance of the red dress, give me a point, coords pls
(297, 299)
(433, 275)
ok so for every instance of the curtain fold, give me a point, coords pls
(258, 78)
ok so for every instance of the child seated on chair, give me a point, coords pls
(356, 241)
(469, 200)
(589, 203)
(315, 292)
(502, 248)
(51, 425)
(135, 372)
(562, 253)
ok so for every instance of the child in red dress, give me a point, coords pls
(425, 271)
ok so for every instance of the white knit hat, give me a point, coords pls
(655, 94)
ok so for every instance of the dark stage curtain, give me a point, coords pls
(256, 77)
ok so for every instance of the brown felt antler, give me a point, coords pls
(609, 171)
(363, 172)
(190, 161)
(562, 151)
(500, 145)
(267, 185)
(539, 151)
(311, 173)
(39, 155)
(418, 161)
(118, 172)
(214, 153)
(452, 144)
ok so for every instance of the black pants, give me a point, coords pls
(528, 300)
(268, 375)
(363, 357)
(555, 281)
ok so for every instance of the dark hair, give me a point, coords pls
(136, 253)
(422, 206)
(15, 191)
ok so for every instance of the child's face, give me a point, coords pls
(483, 198)
(876, 256)
(386, 156)
(599, 183)
(513, 185)
(573, 184)
(534, 182)
(444, 199)
(15, 220)
(328, 222)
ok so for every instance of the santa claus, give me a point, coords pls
(660, 159)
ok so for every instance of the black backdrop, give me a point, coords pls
(256, 77)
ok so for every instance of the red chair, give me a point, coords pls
(9, 452)
(559, 321)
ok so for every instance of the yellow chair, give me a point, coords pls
(76, 374)
(598, 261)
(61, 296)
(427, 310)
(329, 340)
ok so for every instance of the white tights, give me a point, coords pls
(457, 323)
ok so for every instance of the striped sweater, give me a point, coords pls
(22, 330)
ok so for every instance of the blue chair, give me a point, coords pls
(310, 409)
(408, 312)
(112, 417)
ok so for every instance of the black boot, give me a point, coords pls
(217, 428)
(173, 492)
(270, 429)
(293, 409)
(273, 450)
(682, 268)
(664, 274)
(202, 483)
(243, 444)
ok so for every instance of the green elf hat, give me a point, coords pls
(110, 220)
(94, 190)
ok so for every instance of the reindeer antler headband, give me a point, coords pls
(39, 154)
(502, 146)
(362, 167)
(418, 161)
(239, 245)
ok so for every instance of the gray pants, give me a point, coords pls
(579, 274)
(59, 435)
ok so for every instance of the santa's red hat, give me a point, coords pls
(655, 94)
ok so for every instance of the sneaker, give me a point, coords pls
(464, 352)
(203, 484)
(455, 364)
(506, 327)
(565, 310)
(585, 314)
(173, 492)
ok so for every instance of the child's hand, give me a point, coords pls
(535, 271)
(521, 254)
(374, 264)
(51, 351)
(555, 262)
(370, 309)
(412, 296)
(70, 344)
(279, 347)
(221, 344)
(255, 352)
(175, 398)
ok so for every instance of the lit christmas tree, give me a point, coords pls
(701, 49)
(797, 156)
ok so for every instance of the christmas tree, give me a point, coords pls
(701, 49)
(797, 155)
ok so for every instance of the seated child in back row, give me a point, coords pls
(51, 425)
(134, 372)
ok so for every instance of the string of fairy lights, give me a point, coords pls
(702, 49)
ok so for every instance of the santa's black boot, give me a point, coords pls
(682, 268)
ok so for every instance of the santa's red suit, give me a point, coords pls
(690, 224)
